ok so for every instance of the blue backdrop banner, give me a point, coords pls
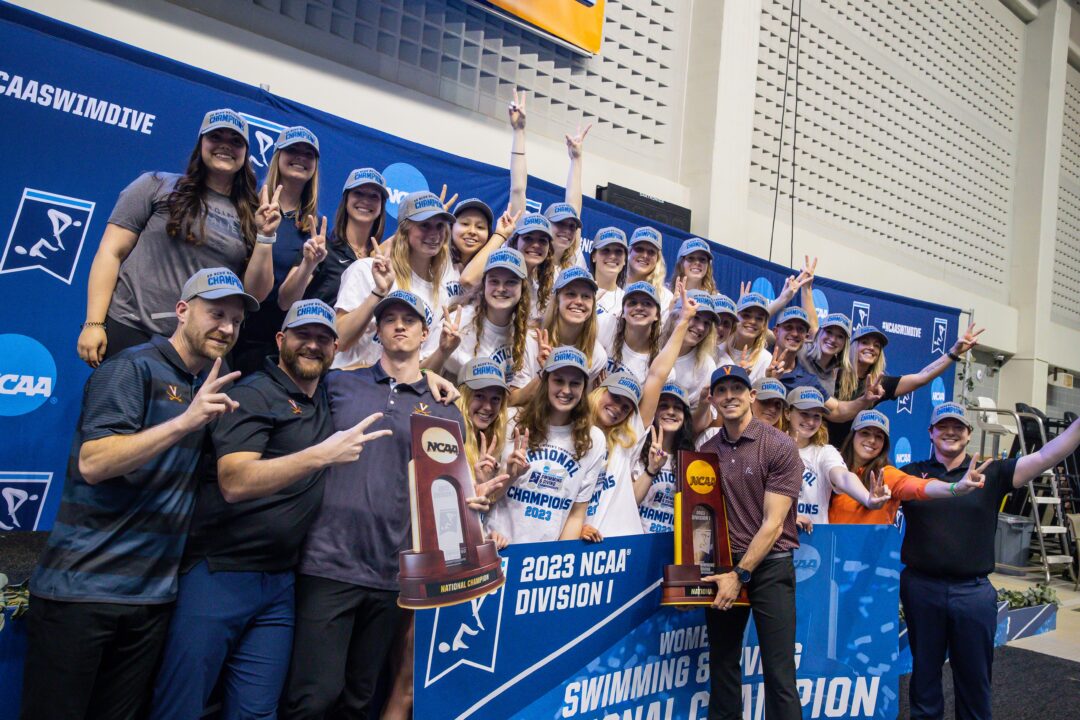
(82, 116)
(577, 631)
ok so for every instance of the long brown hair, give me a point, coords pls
(495, 435)
(849, 374)
(309, 196)
(341, 223)
(847, 452)
(399, 260)
(620, 337)
(545, 273)
(586, 341)
(187, 201)
(534, 417)
(520, 322)
(707, 283)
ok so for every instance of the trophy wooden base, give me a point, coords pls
(427, 581)
(683, 585)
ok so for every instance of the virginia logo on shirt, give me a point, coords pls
(172, 392)
(296, 409)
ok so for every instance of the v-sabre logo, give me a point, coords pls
(27, 374)
(941, 329)
(439, 445)
(860, 314)
(47, 234)
(22, 496)
(401, 179)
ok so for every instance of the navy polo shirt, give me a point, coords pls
(121, 540)
(326, 279)
(275, 418)
(365, 520)
(800, 376)
(953, 538)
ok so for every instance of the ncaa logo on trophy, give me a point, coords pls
(47, 234)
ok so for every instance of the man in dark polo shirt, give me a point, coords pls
(762, 474)
(104, 585)
(949, 604)
(234, 611)
(346, 589)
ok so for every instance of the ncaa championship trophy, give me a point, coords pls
(450, 561)
(702, 546)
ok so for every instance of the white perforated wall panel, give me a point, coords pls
(632, 91)
(906, 129)
(1066, 294)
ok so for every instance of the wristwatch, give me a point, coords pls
(743, 574)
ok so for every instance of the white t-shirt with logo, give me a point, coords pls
(756, 371)
(358, 283)
(496, 342)
(530, 366)
(613, 507)
(691, 375)
(633, 362)
(657, 509)
(818, 461)
(609, 302)
(535, 507)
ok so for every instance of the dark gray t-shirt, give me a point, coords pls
(155, 271)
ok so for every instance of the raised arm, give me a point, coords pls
(1031, 466)
(519, 171)
(259, 274)
(574, 145)
(351, 324)
(914, 381)
(312, 253)
(664, 361)
(473, 272)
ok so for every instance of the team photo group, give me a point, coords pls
(237, 490)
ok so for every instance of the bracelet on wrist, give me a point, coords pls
(378, 295)
(953, 356)
(952, 489)
(515, 152)
(93, 324)
(652, 474)
(499, 234)
(266, 239)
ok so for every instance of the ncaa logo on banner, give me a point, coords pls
(47, 234)
(902, 452)
(905, 403)
(763, 287)
(401, 179)
(821, 304)
(22, 496)
(807, 562)
(860, 314)
(937, 392)
(937, 342)
(262, 134)
(27, 375)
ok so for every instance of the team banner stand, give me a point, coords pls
(702, 544)
(450, 561)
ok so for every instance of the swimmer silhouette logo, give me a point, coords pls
(262, 134)
(466, 634)
(47, 234)
(22, 496)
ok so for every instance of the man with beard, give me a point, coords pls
(105, 583)
(234, 612)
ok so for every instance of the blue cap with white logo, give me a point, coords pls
(805, 397)
(557, 212)
(752, 300)
(298, 134)
(566, 356)
(871, 419)
(476, 204)
(723, 305)
(609, 236)
(480, 373)
(215, 283)
(694, 245)
(703, 300)
(308, 312)
(770, 389)
(409, 300)
(870, 330)
(224, 118)
(423, 205)
(647, 234)
(366, 176)
(736, 372)
(675, 390)
(838, 320)
(643, 288)
(573, 274)
(624, 384)
(948, 410)
(508, 258)
(793, 313)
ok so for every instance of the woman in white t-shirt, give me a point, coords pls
(696, 362)
(607, 262)
(573, 323)
(654, 470)
(554, 459)
(418, 261)
(824, 469)
(746, 345)
(634, 334)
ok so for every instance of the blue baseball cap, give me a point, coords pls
(805, 397)
(609, 236)
(793, 313)
(624, 384)
(723, 305)
(531, 222)
(297, 134)
(693, 245)
(770, 389)
(647, 234)
(839, 320)
(406, 298)
(309, 312)
(476, 204)
(421, 206)
(224, 118)
(870, 330)
(557, 212)
(566, 356)
(365, 176)
(508, 258)
(216, 283)
(753, 299)
(871, 419)
(572, 274)
(642, 287)
(730, 371)
(703, 300)
(675, 390)
(481, 373)
(949, 410)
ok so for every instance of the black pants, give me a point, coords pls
(120, 336)
(343, 635)
(91, 660)
(772, 597)
(957, 618)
